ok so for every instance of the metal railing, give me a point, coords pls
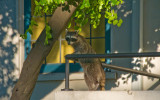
(113, 55)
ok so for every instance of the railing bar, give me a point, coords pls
(67, 77)
(130, 70)
(113, 55)
(95, 38)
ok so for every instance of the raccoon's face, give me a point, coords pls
(71, 37)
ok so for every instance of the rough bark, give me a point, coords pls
(32, 65)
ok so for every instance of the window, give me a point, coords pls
(98, 38)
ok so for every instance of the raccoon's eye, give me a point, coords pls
(73, 39)
(67, 39)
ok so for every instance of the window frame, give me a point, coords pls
(60, 67)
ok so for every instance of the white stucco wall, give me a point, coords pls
(11, 56)
(151, 42)
(48, 84)
(107, 95)
(139, 33)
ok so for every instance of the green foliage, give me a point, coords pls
(48, 33)
(32, 23)
(87, 10)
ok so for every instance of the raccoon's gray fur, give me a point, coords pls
(93, 72)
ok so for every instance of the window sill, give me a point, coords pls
(72, 77)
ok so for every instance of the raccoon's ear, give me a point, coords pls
(77, 31)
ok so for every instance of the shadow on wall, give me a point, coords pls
(8, 47)
(151, 44)
(147, 64)
(123, 81)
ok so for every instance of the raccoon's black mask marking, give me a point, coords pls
(71, 37)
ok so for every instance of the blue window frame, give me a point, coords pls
(27, 17)
(60, 67)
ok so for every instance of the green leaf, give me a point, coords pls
(36, 2)
(77, 13)
(99, 15)
(39, 7)
(115, 15)
(46, 9)
(85, 22)
(78, 21)
(91, 21)
(122, 1)
(113, 2)
(119, 24)
(80, 29)
(94, 26)
(118, 2)
(58, 1)
(24, 36)
(108, 13)
(79, 16)
(111, 18)
(76, 27)
(62, 1)
(87, 4)
(48, 28)
(30, 31)
(82, 7)
(106, 16)
(109, 22)
(92, 16)
(30, 27)
(69, 24)
(115, 22)
(112, 11)
(107, 2)
(46, 41)
(49, 36)
(120, 21)
(34, 22)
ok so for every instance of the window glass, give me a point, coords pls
(99, 46)
(100, 30)
(85, 31)
(54, 55)
(65, 49)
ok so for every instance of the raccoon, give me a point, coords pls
(94, 74)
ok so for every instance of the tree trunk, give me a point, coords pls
(32, 65)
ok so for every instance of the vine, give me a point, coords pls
(87, 10)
